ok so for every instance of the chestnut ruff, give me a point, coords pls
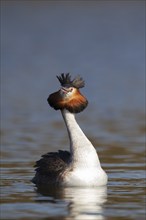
(74, 104)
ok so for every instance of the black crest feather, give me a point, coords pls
(65, 79)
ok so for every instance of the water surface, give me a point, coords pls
(104, 42)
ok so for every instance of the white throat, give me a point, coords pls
(83, 153)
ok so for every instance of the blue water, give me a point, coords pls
(103, 41)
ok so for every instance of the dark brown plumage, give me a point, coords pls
(50, 166)
(65, 80)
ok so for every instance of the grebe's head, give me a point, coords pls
(69, 96)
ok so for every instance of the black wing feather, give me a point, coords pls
(50, 166)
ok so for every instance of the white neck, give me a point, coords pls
(83, 153)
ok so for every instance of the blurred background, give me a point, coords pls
(104, 42)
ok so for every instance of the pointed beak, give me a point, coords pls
(64, 90)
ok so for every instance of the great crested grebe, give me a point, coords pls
(80, 166)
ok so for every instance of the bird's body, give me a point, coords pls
(80, 166)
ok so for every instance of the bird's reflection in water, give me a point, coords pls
(81, 203)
